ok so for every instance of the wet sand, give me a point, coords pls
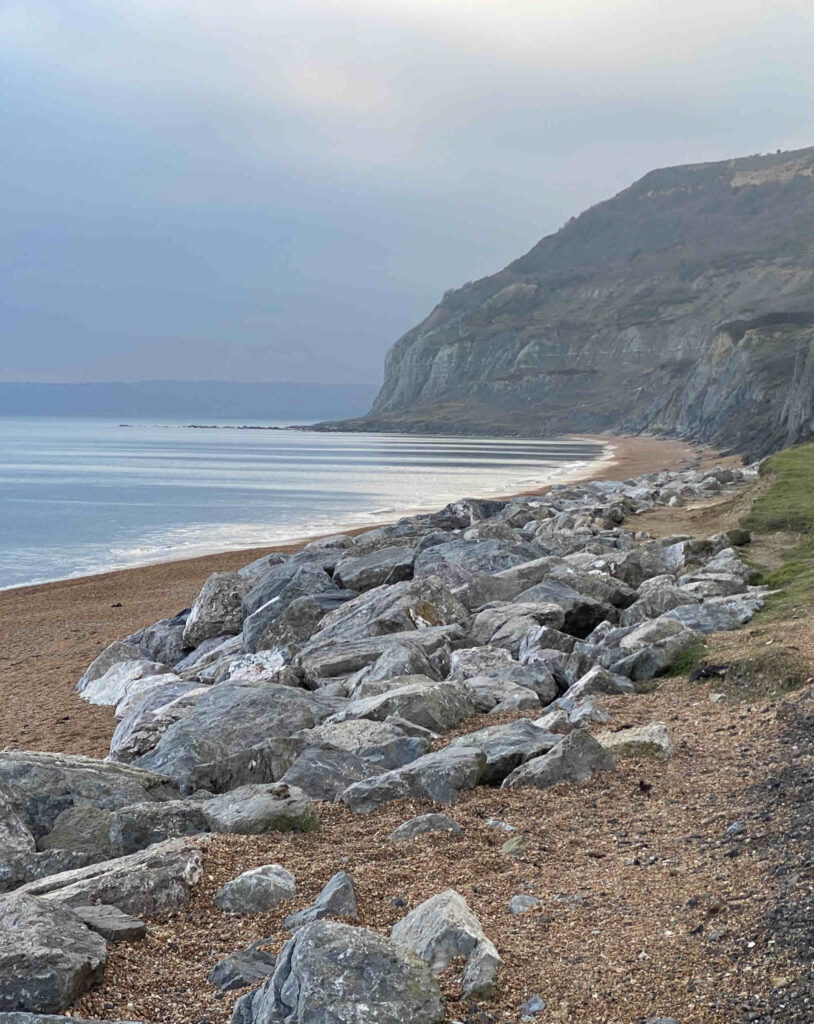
(50, 633)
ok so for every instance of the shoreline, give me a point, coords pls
(52, 631)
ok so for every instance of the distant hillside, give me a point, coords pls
(684, 305)
(187, 399)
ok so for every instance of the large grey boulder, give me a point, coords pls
(656, 658)
(580, 611)
(283, 583)
(323, 771)
(382, 744)
(405, 606)
(442, 929)
(656, 603)
(206, 663)
(208, 747)
(256, 890)
(257, 809)
(119, 651)
(472, 662)
(598, 680)
(46, 784)
(296, 623)
(218, 609)
(490, 694)
(454, 561)
(28, 867)
(140, 825)
(48, 958)
(387, 565)
(82, 828)
(717, 614)
(111, 923)
(324, 659)
(149, 715)
(337, 899)
(149, 882)
(344, 974)
(506, 624)
(22, 1017)
(438, 777)
(15, 836)
(650, 632)
(260, 627)
(164, 640)
(649, 740)
(505, 747)
(430, 704)
(126, 679)
(574, 759)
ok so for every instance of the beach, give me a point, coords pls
(51, 632)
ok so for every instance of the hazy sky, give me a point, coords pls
(257, 190)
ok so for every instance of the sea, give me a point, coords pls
(80, 496)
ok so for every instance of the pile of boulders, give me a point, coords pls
(329, 675)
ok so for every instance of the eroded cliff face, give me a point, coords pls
(684, 305)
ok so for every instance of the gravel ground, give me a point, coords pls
(648, 905)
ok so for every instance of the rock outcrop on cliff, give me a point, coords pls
(684, 305)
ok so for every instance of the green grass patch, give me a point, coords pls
(689, 659)
(788, 505)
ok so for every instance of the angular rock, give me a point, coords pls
(488, 693)
(48, 958)
(145, 883)
(505, 747)
(337, 899)
(432, 705)
(257, 809)
(46, 784)
(129, 677)
(346, 975)
(454, 561)
(575, 759)
(164, 640)
(15, 837)
(438, 777)
(260, 628)
(246, 967)
(324, 772)
(382, 744)
(299, 621)
(149, 716)
(282, 584)
(218, 609)
(581, 613)
(82, 828)
(257, 890)
(207, 748)
(386, 565)
(598, 680)
(641, 741)
(111, 923)
(521, 904)
(138, 826)
(655, 659)
(444, 928)
(119, 651)
(422, 824)
(717, 613)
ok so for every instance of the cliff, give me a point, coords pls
(684, 305)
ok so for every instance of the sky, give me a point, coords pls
(263, 190)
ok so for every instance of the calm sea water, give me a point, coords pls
(79, 496)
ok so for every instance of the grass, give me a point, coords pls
(787, 506)
(689, 659)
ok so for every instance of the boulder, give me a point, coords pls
(505, 747)
(574, 759)
(149, 882)
(260, 629)
(386, 565)
(257, 809)
(323, 771)
(248, 966)
(640, 741)
(402, 658)
(28, 867)
(405, 606)
(149, 715)
(128, 677)
(48, 958)
(282, 584)
(217, 610)
(717, 613)
(260, 567)
(337, 899)
(443, 928)
(257, 890)
(46, 784)
(598, 680)
(118, 652)
(15, 837)
(580, 612)
(299, 621)
(488, 693)
(656, 603)
(164, 640)
(453, 562)
(322, 660)
(657, 658)
(206, 662)
(137, 826)
(336, 972)
(650, 633)
(208, 748)
(382, 744)
(432, 705)
(422, 824)
(111, 923)
(82, 828)
(473, 662)
(506, 625)
(438, 777)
